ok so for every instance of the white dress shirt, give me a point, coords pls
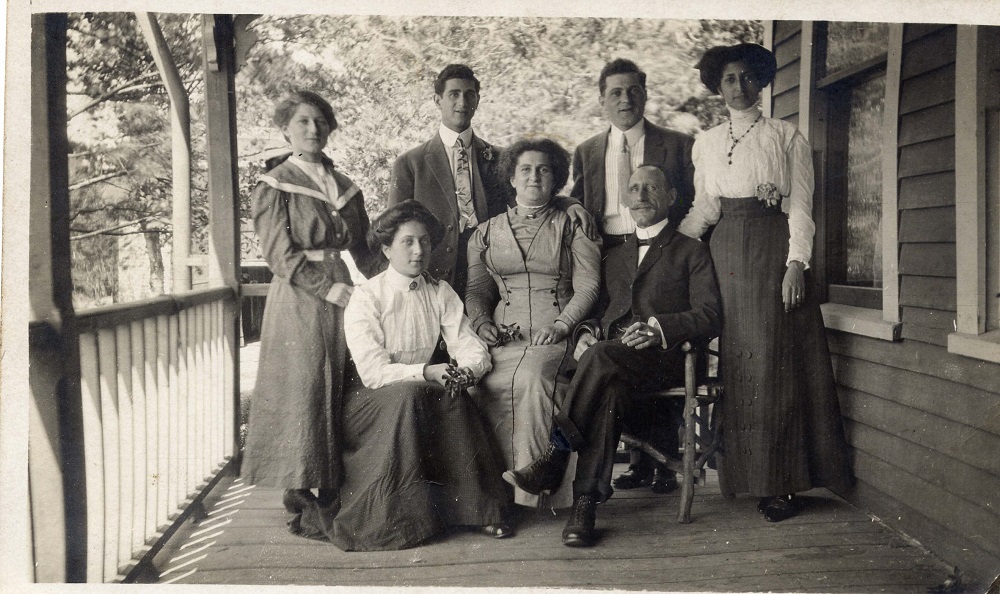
(617, 218)
(393, 329)
(773, 151)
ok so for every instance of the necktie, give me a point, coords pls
(463, 191)
(643, 242)
(624, 172)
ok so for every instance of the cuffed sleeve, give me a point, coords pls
(704, 319)
(801, 227)
(464, 346)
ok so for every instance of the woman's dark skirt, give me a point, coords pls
(780, 419)
(415, 462)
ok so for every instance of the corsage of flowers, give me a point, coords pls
(768, 194)
(508, 334)
(458, 379)
(488, 154)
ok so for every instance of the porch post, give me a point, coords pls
(56, 471)
(223, 195)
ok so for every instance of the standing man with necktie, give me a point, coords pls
(454, 174)
(601, 168)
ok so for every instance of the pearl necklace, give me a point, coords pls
(736, 141)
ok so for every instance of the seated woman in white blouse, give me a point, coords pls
(415, 453)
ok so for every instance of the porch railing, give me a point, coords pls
(157, 386)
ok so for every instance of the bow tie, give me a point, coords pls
(643, 242)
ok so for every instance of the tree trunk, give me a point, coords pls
(155, 261)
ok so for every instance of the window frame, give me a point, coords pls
(972, 338)
(857, 316)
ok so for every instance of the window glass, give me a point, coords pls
(849, 44)
(864, 185)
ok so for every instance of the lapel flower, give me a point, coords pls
(488, 154)
(768, 194)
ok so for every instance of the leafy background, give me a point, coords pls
(538, 75)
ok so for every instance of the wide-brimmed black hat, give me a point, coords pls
(757, 57)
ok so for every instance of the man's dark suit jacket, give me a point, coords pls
(424, 174)
(663, 146)
(675, 283)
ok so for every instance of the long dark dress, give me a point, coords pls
(780, 418)
(416, 460)
(293, 435)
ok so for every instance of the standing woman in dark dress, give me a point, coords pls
(780, 420)
(305, 213)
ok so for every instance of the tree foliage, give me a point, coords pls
(538, 75)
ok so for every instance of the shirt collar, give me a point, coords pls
(401, 282)
(651, 231)
(448, 136)
(634, 134)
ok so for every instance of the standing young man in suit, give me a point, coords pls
(454, 174)
(601, 167)
(660, 290)
(603, 163)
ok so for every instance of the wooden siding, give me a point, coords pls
(927, 259)
(787, 52)
(924, 191)
(925, 428)
(926, 174)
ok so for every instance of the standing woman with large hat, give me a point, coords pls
(305, 213)
(780, 420)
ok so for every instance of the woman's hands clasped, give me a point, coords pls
(793, 287)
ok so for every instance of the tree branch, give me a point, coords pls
(107, 231)
(97, 180)
(126, 86)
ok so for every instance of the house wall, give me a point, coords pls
(924, 424)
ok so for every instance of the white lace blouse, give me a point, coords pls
(392, 329)
(772, 151)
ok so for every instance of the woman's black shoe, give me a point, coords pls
(782, 508)
(296, 499)
(763, 503)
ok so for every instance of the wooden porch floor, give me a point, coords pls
(831, 547)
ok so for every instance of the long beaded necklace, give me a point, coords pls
(736, 141)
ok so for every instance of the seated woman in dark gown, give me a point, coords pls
(414, 446)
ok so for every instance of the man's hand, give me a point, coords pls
(579, 215)
(641, 335)
(586, 341)
(339, 294)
